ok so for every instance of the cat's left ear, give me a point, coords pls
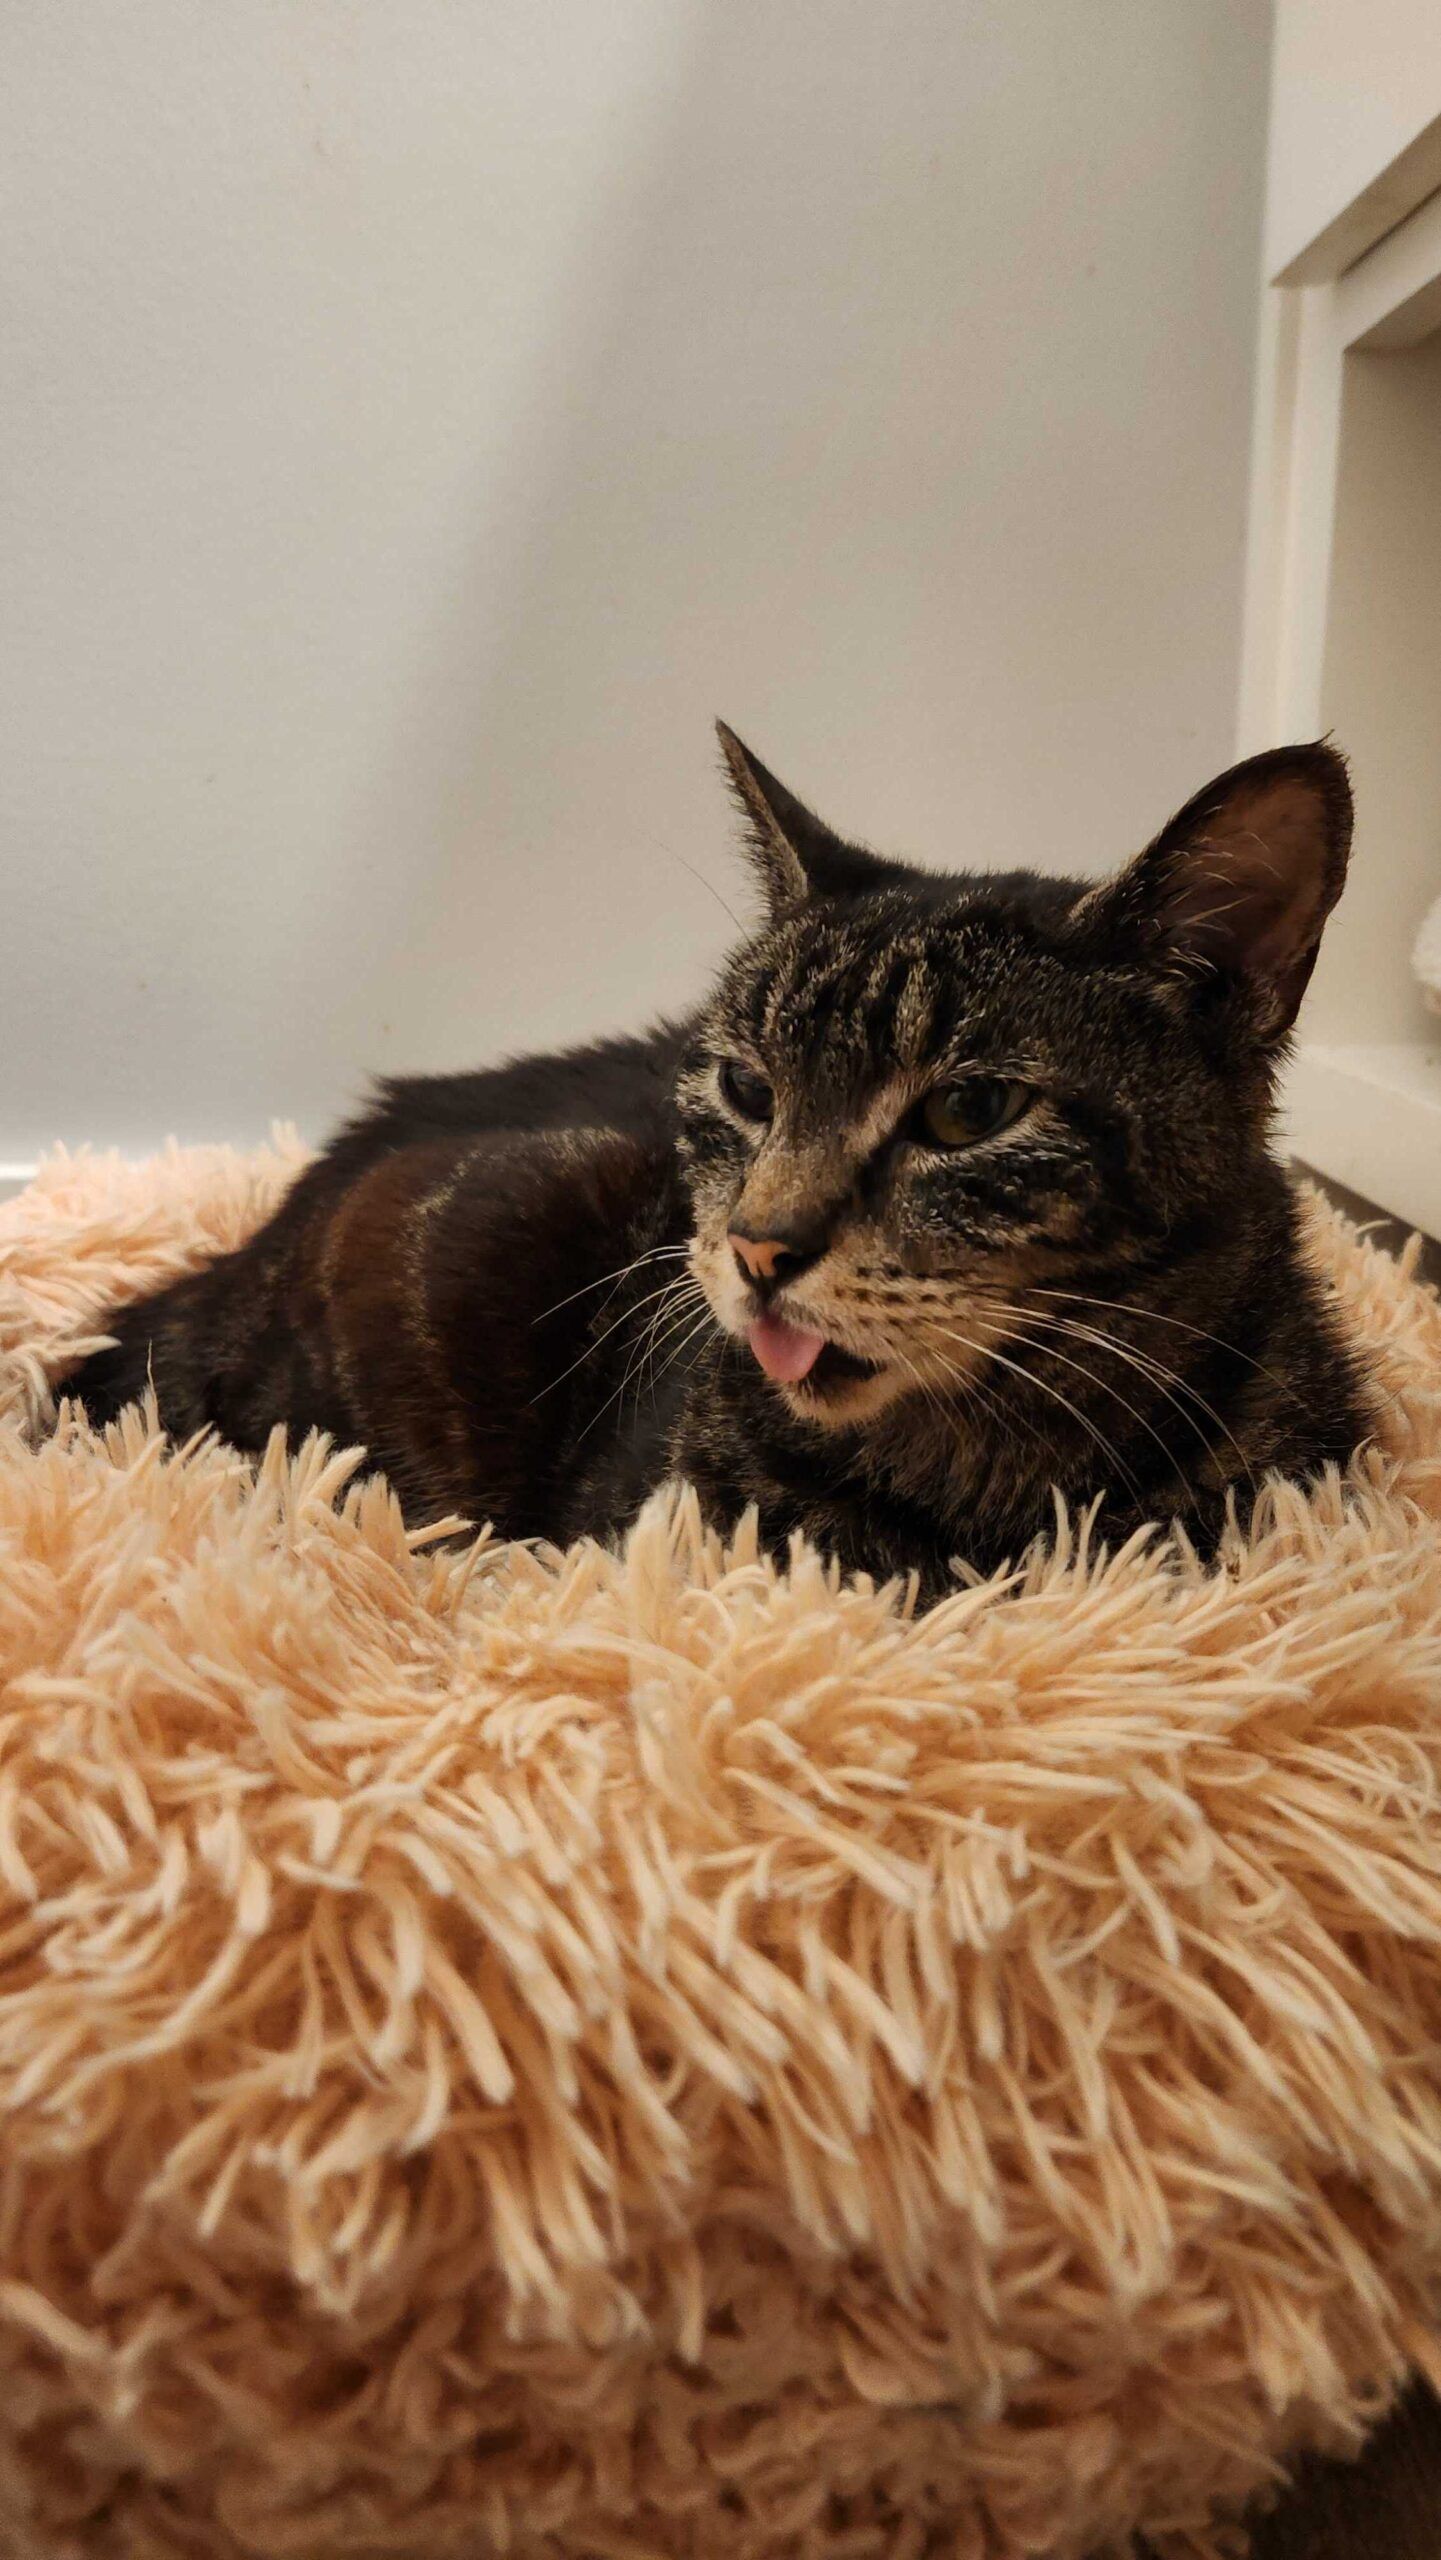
(1239, 885)
(797, 855)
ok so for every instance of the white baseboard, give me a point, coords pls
(13, 1178)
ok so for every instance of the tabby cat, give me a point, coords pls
(956, 1192)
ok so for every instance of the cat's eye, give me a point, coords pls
(961, 1114)
(745, 1091)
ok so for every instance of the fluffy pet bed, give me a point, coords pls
(628, 2056)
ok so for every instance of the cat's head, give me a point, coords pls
(917, 1098)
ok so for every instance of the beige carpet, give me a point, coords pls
(648, 2056)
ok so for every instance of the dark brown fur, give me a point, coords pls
(519, 1289)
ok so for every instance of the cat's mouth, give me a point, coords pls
(798, 1357)
(836, 1369)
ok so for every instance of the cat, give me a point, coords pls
(955, 1195)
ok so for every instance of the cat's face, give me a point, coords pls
(915, 1103)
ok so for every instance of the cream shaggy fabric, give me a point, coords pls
(646, 2055)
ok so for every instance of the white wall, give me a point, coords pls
(1355, 140)
(418, 419)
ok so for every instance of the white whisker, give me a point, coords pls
(618, 1393)
(657, 1253)
(613, 1327)
(1030, 1379)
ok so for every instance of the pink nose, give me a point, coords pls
(761, 1256)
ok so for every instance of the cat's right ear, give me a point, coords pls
(797, 855)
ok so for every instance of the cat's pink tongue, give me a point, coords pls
(785, 1351)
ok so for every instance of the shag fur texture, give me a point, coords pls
(627, 2056)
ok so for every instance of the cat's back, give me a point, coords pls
(501, 1190)
(624, 1084)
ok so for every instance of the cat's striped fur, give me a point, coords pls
(526, 1291)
